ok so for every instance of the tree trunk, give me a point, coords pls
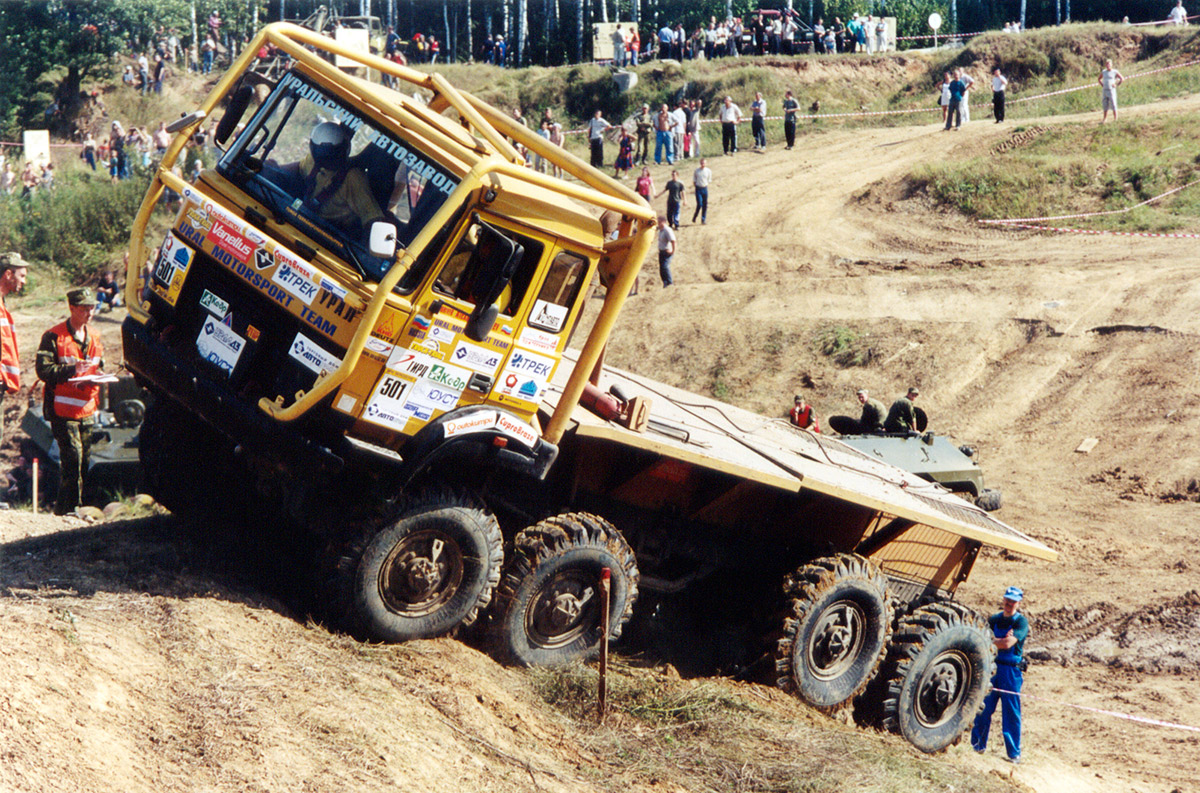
(1023, 14)
(522, 29)
(470, 34)
(578, 31)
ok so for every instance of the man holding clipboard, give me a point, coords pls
(69, 361)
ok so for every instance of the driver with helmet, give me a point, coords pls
(332, 189)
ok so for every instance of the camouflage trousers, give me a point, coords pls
(74, 442)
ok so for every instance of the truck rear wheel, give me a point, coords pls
(989, 500)
(835, 632)
(426, 568)
(939, 669)
(549, 603)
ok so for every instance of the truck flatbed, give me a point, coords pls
(729, 439)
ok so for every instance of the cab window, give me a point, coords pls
(559, 291)
(456, 279)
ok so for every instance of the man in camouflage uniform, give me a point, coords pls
(69, 351)
(12, 279)
(902, 416)
(872, 413)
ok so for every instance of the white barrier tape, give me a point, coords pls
(52, 145)
(1160, 22)
(1093, 85)
(1151, 200)
(947, 36)
(1139, 719)
(1181, 236)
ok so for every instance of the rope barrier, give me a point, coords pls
(1151, 200)
(1116, 714)
(1179, 235)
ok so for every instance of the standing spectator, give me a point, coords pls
(868, 29)
(789, 35)
(618, 45)
(819, 36)
(802, 414)
(143, 74)
(662, 137)
(89, 151)
(160, 73)
(12, 279)
(666, 251)
(999, 84)
(435, 49)
(1178, 16)
(954, 109)
(701, 179)
(665, 37)
(842, 37)
(944, 100)
(162, 139)
(556, 137)
(677, 40)
(624, 161)
(392, 42)
(487, 53)
(634, 45)
(31, 177)
(790, 106)
(8, 179)
(710, 40)
(206, 53)
(644, 123)
(1109, 79)
(499, 51)
(678, 129)
(758, 121)
(539, 162)
(731, 116)
(967, 82)
(881, 36)
(645, 185)
(69, 350)
(675, 198)
(691, 143)
(1010, 629)
(831, 41)
(596, 128)
(214, 28)
(48, 177)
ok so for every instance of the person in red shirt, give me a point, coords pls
(803, 416)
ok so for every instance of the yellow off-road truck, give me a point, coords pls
(358, 331)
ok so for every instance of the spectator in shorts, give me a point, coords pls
(1109, 79)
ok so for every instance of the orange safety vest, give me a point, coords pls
(75, 401)
(10, 359)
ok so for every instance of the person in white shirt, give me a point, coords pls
(701, 179)
(819, 35)
(666, 251)
(964, 106)
(758, 121)
(1178, 15)
(789, 36)
(596, 127)
(1110, 78)
(999, 83)
(678, 128)
(881, 36)
(944, 100)
(731, 116)
(618, 44)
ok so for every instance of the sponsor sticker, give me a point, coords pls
(439, 333)
(219, 345)
(386, 404)
(479, 359)
(476, 422)
(296, 281)
(264, 259)
(252, 333)
(346, 403)
(409, 363)
(547, 315)
(538, 340)
(333, 288)
(379, 346)
(526, 376)
(433, 396)
(214, 305)
(313, 356)
(449, 376)
(515, 428)
(420, 412)
(229, 238)
(174, 259)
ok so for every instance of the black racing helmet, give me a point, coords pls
(330, 145)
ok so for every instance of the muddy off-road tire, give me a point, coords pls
(177, 454)
(422, 569)
(548, 606)
(835, 630)
(938, 670)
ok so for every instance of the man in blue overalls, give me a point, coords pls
(1009, 631)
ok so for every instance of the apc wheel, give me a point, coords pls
(548, 606)
(939, 667)
(835, 632)
(422, 571)
(989, 500)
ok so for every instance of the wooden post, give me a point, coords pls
(605, 596)
(35, 485)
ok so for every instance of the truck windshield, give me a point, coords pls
(320, 166)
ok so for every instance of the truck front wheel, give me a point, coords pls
(939, 669)
(421, 571)
(549, 601)
(835, 631)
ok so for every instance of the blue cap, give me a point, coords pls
(1014, 594)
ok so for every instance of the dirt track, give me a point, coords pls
(997, 328)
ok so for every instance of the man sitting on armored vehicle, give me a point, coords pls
(869, 423)
(902, 416)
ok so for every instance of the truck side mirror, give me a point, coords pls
(233, 113)
(383, 239)
(480, 323)
(493, 263)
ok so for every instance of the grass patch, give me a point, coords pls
(1081, 168)
(843, 345)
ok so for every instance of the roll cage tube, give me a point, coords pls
(601, 194)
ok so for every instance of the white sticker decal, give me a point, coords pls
(410, 363)
(480, 359)
(476, 422)
(219, 345)
(433, 396)
(313, 355)
(386, 405)
(379, 346)
(439, 334)
(346, 403)
(214, 305)
(449, 376)
(547, 315)
(526, 376)
(176, 258)
(538, 340)
(515, 428)
(294, 280)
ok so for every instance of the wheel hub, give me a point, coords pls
(565, 609)
(943, 687)
(837, 640)
(421, 573)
